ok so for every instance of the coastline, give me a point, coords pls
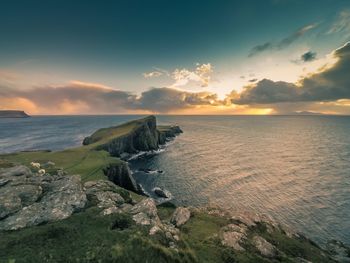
(239, 234)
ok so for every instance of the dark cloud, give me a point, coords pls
(252, 80)
(92, 98)
(308, 56)
(285, 42)
(167, 99)
(331, 83)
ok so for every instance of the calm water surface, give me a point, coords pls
(293, 168)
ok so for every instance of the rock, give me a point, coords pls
(180, 216)
(19, 170)
(108, 199)
(338, 250)
(28, 200)
(154, 230)
(145, 212)
(265, 248)
(9, 204)
(161, 193)
(120, 174)
(233, 236)
(4, 181)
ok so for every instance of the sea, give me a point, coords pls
(295, 169)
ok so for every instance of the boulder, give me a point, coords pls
(265, 248)
(27, 199)
(181, 216)
(161, 193)
(19, 170)
(233, 236)
(145, 212)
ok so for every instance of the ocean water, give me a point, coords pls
(295, 169)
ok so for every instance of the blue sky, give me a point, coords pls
(115, 44)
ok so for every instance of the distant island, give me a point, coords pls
(13, 114)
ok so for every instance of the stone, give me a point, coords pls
(161, 193)
(265, 248)
(180, 216)
(28, 200)
(233, 236)
(108, 199)
(145, 212)
(19, 170)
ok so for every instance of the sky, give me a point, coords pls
(175, 57)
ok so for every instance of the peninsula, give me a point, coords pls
(83, 205)
(13, 114)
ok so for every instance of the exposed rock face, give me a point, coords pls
(13, 114)
(170, 132)
(144, 137)
(233, 236)
(145, 212)
(264, 247)
(181, 216)
(29, 199)
(120, 174)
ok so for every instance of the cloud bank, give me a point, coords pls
(327, 90)
(331, 83)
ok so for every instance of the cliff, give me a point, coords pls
(13, 114)
(142, 135)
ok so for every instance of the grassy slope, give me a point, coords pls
(90, 237)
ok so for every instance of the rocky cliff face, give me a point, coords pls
(121, 175)
(143, 137)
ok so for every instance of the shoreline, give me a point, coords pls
(235, 232)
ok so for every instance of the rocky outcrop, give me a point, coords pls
(265, 248)
(120, 174)
(144, 136)
(13, 114)
(180, 216)
(28, 199)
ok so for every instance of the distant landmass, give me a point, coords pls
(307, 113)
(13, 114)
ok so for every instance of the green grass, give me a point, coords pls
(88, 237)
(89, 164)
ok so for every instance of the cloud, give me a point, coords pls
(89, 98)
(201, 74)
(331, 83)
(152, 74)
(342, 23)
(75, 97)
(283, 43)
(168, 99)
(308, 56)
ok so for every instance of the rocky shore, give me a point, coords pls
(80, 205)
